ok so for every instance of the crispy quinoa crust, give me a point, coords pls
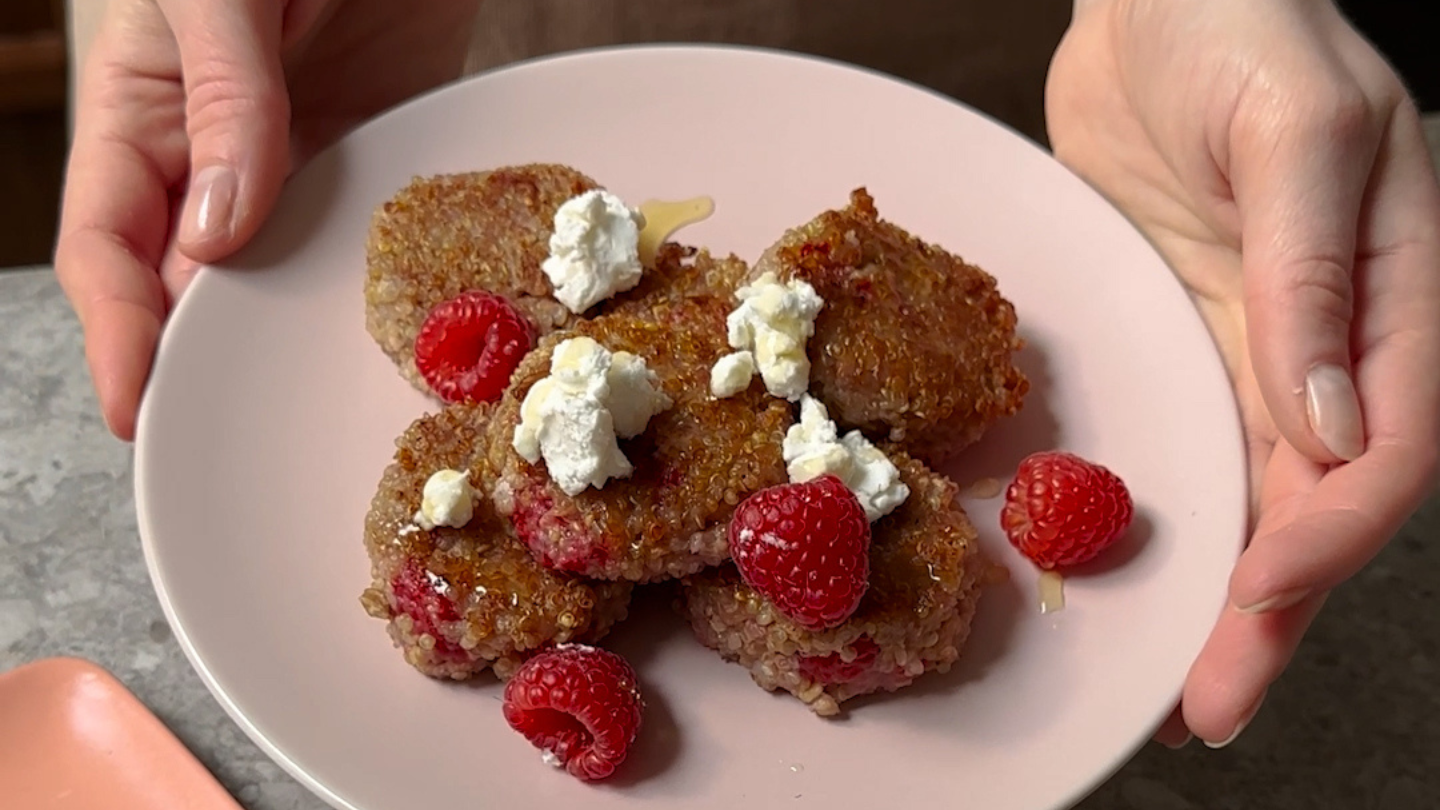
(679, 272)
(693, 463)
(926, 572)
(506, 604)
(444, 235)
(913, 345)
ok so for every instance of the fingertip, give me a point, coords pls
(238, 115)
(1316, 405)
(120, 419)
(226, 205)
(1251, 586)
(207, 221)
(228, 201)
(1262, 584)
(119, 348)
(1332, 408)
(118, 404)
(1280, 600)
(1246, 717)
(1243, 656)
(1218, 705)
(1179, 742)
(1232, 672)
(1173, 733)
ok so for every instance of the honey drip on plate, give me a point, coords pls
(1052, 592)
(663, 219)
(983, 489)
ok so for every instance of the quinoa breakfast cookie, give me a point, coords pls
(912, 345)
(925, 577)
(460, 599)
(445, 235)
(693, 462)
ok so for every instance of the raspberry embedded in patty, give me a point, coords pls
(470, 345)
(805, 547)
(417, 593)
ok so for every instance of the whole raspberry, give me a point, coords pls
(806, 547)
(470, 345)
(580, 705)
(1062, 510)
(834, 669)
(417, 593)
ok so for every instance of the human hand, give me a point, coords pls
(189, 116)
(1275, 160)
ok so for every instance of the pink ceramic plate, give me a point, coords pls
(73, 738)
(271, 415)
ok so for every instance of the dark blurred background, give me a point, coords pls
(1406, 33)
(33, 67)
(34, 64)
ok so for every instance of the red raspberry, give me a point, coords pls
(832, 669)
(416, 593)
(806, 547)
(1062, 510)
(470, 345)
(580, 705)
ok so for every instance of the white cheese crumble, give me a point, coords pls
(812, 448)
(731, 374)
(447, 500)
(574, 417)
(594, 250)
(774, 320)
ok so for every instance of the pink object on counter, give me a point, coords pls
(72, 736)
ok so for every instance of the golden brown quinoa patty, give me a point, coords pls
(445, 235)
(693, 463)
(926, 570)
(457, 601)
(913, 345)
(441, 236)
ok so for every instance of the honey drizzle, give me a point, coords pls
(663, 219)
(1052, 592)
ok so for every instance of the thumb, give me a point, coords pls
(237, 116)
(1299, 193)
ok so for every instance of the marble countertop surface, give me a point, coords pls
(1353, 725)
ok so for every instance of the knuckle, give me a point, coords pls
(223, 95)
(1336, 111)
(1321, 287)
(1339, 113)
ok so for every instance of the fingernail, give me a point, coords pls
(1279, 601)
(1181, 744)
(210, 206)
(1240, 726)
(1334, 410)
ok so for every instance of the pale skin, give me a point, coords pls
(1269, 153)
(1298, 142)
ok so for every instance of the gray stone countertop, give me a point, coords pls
(1353, 725)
